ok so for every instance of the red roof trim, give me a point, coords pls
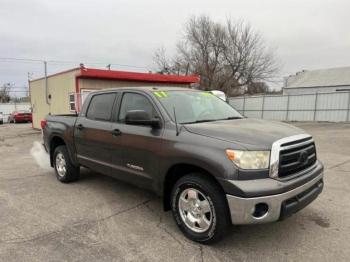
(56, 74)
(138, 77)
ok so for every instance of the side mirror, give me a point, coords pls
(141, 117)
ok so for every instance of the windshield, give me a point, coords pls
(193, 106)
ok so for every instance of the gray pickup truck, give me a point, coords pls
(211, 166)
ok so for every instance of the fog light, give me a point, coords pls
(260, 210)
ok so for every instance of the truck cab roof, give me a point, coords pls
(146, 89)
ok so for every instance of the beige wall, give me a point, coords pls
(103, 84)
(97, 84)
(59, 86)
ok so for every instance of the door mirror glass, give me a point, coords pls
(141, 117)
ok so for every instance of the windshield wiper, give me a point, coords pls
(200, 121)
(212, 120)
(231, 118)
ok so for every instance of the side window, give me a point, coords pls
(100, 107)
(72, 102)
(134, 101)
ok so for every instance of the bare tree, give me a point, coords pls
(246, 55)
(257, 88)
(162, 61)
(227, 57)
(5, 93)
(201, 50)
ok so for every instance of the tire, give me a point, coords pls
(209, 210)
(65, 170)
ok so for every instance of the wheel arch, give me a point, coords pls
(177, 171)
(55, 141)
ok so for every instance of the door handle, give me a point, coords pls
(116, 132)
(80, 127)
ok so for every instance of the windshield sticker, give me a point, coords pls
(161, 94)
(207, 94)
(157, 94)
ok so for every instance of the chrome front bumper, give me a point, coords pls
(242, 209)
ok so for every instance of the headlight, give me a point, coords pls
(249, 159)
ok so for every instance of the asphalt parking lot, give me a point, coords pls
(101, 219)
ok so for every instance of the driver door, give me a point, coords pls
(139, 145)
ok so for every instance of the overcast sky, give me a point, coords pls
(307, 34)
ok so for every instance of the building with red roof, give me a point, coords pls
(64, 92)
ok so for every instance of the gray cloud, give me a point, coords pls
(306, 34)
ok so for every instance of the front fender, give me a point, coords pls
(198, 151)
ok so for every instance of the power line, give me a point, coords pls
(17, 59)
(18, 88)
(20, 59)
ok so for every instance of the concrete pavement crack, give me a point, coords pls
(38, 237)
(20, 178)
(119, 212)
(159, 225)
(202, 253)
(338, 165)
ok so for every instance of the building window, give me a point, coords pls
(72, 102)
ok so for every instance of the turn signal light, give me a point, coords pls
(230, 154)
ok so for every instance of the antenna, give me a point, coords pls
(177, 129)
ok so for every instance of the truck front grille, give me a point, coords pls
(296, 156)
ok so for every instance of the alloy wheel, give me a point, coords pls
(61, 164)
(195, 210)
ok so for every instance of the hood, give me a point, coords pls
(250, 133)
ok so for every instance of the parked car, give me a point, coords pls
(1, 118)
(20, 116)
(211, 166)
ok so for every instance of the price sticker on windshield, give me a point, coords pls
(160, 94)
(207, 94)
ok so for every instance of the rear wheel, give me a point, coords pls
(199, 208)
(65, 170)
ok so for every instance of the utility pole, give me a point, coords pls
(30, 75)
(46, 84)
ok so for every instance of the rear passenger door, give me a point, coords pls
(139, 145)
(93, 133)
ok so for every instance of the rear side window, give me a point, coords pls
(100, 107)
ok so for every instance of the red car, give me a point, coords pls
(20, 116)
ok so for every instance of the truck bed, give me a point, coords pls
(68, 119)
(62, 125)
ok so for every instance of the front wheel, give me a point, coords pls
(199, 208)
(64, 168)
